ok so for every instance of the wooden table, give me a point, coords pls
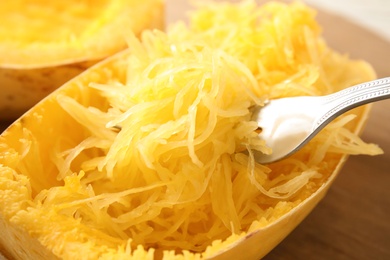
(353, 220)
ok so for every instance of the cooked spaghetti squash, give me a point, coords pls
(148, 154)
(43, 44)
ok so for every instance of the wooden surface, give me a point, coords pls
(353, 220)
(373, 14)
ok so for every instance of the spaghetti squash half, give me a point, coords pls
(43, 44)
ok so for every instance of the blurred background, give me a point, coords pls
(373, 14)
(358, 28)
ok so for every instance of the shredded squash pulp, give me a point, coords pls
(165, 163)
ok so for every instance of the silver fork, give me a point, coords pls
(287, 124)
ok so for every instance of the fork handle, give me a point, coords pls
(361, 94)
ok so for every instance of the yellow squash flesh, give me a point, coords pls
(53, 208)
(43, 44)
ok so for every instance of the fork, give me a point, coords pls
(287, 124)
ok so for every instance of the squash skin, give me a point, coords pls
(35, 73)
(22, 88)
(48, 111)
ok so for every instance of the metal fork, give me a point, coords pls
(287, 124)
